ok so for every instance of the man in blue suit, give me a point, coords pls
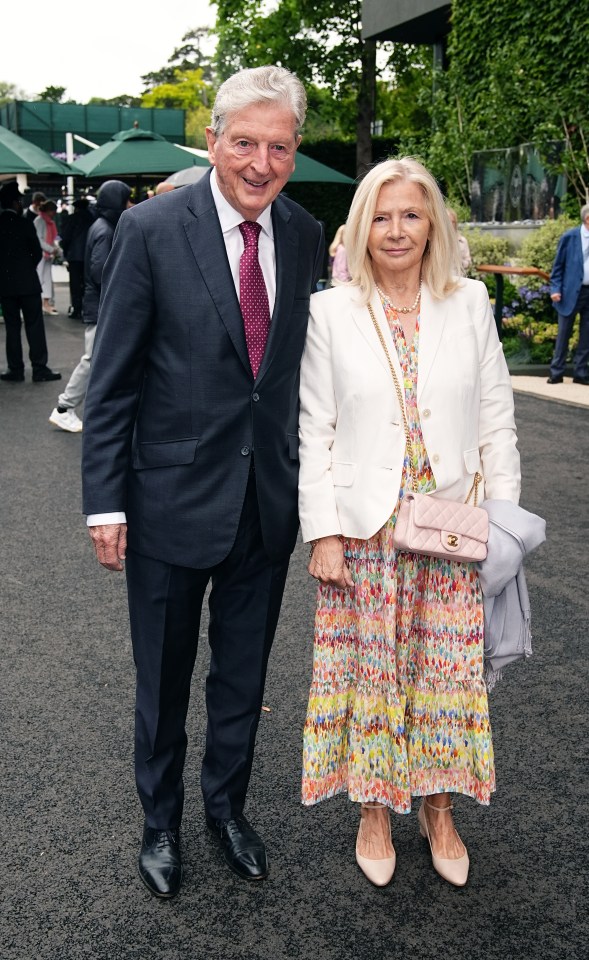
(190, 454)
(569, 291)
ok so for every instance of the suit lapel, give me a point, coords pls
(365, 325)
(204, 234)
(286, 247)
(431, 327)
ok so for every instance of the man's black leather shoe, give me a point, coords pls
(583, 380)
(160, 864)
(11, 376)
(41, 374)
(554, 380)
(243, 849)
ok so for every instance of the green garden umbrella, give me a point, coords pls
(18, 155)
(135, 153)
(306, 171)
(311, 171)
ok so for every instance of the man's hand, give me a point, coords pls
(110, 544)
(327, 563)
(555, 297)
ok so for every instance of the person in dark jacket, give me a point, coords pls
(20, 289)
(111, 199)
(569, 292)
(73, 243)
(32, 211)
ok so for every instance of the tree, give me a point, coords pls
(188, 56)
(517, 73)
(9, 91)
(319, 40)
(52, 94)
(187, 91)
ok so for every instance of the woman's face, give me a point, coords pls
(400, 229)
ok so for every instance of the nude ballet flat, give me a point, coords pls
(379, 872)
(454, 871)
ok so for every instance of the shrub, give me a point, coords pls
(539, 248)
(533, 302)
(485, 248)
(529, 340)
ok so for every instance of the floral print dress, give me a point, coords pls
(398, 705)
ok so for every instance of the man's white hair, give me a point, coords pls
(259, 85)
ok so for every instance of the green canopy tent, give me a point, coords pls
(136, 153)
(306, 171)
(18, 155)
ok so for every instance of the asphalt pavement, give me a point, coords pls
(70, 819)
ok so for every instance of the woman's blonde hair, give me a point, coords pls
(441, 259)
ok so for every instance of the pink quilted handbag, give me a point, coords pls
(434, 527)
(441, 528)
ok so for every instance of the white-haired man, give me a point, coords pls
(191, 451)
(569, 291)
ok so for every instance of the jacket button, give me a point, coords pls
(245, 451)
(255, 397)
(426, 413)
(436, 458)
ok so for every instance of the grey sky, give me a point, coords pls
(101, 53)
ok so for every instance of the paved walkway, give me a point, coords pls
(567, 392)
(70, 819)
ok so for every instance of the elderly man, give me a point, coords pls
(569, 291)
(190, 460)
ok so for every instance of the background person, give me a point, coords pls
(32, 211)
(20, 289)
(47, 233)
(337, 251)
(112, 198)
(398, 705)
(190, 435)
(463, 247)
(569, 292)
(73, 244)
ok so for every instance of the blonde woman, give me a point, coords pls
(398, 707)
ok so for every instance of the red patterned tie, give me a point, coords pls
(253, 296)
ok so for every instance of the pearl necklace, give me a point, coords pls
(386, 297)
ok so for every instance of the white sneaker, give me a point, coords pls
(69, 420)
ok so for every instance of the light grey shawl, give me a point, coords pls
(513, 534)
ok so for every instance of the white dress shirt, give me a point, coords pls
(229, 219)
(585, 245)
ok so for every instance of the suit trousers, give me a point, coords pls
(32, 311)
(165, 604)
(565, 328)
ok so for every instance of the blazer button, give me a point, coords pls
(245, 451)
(255, 397)
(436, 458)
(426, 413)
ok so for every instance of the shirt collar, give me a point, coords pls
(230, 218)
(584, 232)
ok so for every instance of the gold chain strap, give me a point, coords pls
(477, 476)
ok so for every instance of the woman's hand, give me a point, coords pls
(327, 563)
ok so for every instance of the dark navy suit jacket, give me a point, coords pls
(20, 252)
(173, 415)
(566, 277)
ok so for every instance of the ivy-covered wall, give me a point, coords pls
(517, 74)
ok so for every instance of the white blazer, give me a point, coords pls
(352, 441)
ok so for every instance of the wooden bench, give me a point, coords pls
(499, 272)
